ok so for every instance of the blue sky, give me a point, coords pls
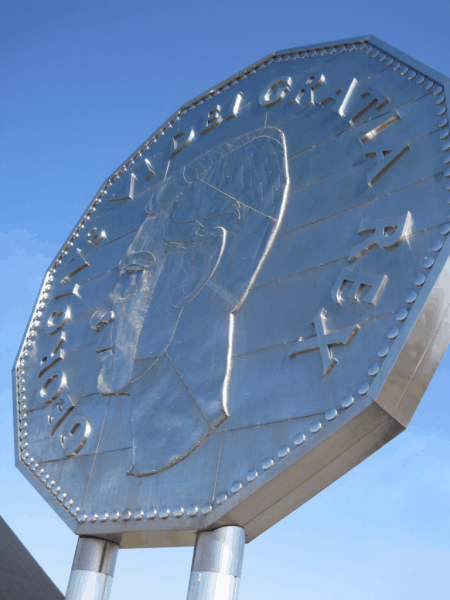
(83, 84)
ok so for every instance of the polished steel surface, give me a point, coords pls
(254, 301)
(92, 570)
(217, 564)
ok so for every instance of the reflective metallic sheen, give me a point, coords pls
(92, 570)
(401, 314)
(347, 401)
(252, 475)
(393, 333)
(363, 388)
(230, 283)
(331, 414)
(298, 440)
(164, 512)
(315, 426)
(437, 246)
(236, 486)
(206, 508)
(373, 369)
(420, 279)
(283, 451)
(217, 564)
(126, 514)
(192, 510)
(221, 498)
(383, 351)
(267, 463)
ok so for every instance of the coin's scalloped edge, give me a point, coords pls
(24, 460)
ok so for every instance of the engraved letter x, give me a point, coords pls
(324, 341)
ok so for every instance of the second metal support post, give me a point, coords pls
(217, 564)
(92, 570)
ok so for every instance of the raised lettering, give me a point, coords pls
(102, 316)
(181, 140)
(360, 282)
(95, 237)
(58, 411)
(388, 233)
(52, 388)
(360, 104)
(306, 91)
(371, 133)
(351, 101)
(324, 341)
(75, 434)
(213, 120)
(385, 160)
(235, 106)
(148, 170)
(80, 262)
(55, 356)
(341, 96)
(386, 154)
(123, 188)
(57, 320)
(75, 291)
(275, 91)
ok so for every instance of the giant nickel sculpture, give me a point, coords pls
(253, 303)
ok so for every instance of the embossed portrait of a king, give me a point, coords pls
(166, 329)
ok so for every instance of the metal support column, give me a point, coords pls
(92, 570)
(217, 564)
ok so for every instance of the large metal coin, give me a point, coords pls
(253, 303)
